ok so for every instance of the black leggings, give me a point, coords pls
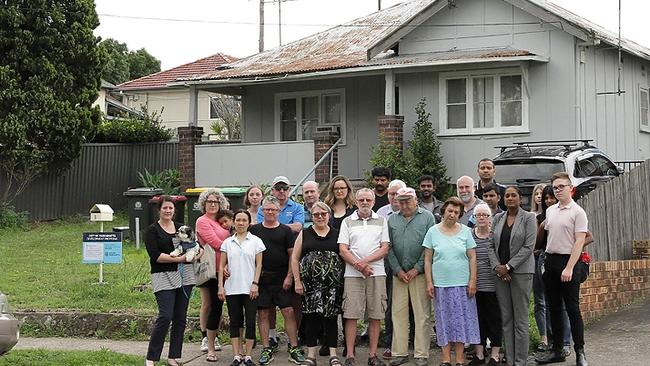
(313, 325)
(216, 305)
(489, 318)
(240, 306)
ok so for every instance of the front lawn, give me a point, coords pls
(43, 357)
(41, 270)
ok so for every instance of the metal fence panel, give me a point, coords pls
(100, 175)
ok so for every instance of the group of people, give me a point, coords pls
(389, 254)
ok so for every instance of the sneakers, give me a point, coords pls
(387, 354)
(236, 361)
(273, 344)
(566, 351)
(399, 360)
(492, 362)
(375, 361)
(266, 356)
(204, 344)
(476, 361)
(542, 347)
(350, 361)
(296, 355)
(421, 361)
(217, 345)
(550, 357)
(248, 362)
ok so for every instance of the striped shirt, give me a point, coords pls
(171, 280)
(364, 237)
(485, 278)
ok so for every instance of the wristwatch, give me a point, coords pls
(508, 267)
(254, 282)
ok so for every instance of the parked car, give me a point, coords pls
(9, 327)
(526, 164)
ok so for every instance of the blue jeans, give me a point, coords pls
(542, 312)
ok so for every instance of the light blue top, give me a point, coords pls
(291, 213)
(450, 261)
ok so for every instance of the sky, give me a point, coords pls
(178, 32)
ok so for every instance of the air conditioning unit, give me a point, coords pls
(330, 128)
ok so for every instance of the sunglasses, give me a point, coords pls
(319, 214)
(281, 188)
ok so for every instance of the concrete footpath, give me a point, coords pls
(621, 338)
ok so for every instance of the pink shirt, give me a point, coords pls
(562, 223)
(208, 231)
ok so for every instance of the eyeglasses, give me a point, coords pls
(270, 209)
(319, 214)
(281, 188)
(364, 199)
(560, 187)
(340, 188)
(482, 215)
(211, 202)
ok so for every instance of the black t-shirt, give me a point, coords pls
(311, 241)
(504, 243)
(158, 241)
(277, 240)
(380, 201)
(335, 222)
(502, 192)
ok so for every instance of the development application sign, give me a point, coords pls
(102, 248)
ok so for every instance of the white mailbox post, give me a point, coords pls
(100, 213)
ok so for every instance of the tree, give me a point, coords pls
(123, 65)
(50, 72)
(422, 155)
(228, 109)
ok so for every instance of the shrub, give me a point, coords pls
(10, 219)
(168, 180)
(132, 129)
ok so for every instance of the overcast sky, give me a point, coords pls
(177, 32)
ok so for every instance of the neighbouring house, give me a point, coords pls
(109, 102)
(174, 103)
(492, 72)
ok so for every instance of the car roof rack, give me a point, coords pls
(567, 144)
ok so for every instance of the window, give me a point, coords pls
(644, 109)
(298, 115)
(214, 114)
(483, 102)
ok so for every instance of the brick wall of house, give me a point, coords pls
(323, 141)
(188, 138)
(612, 285)
(392, 128)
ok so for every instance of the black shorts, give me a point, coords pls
(273, 295)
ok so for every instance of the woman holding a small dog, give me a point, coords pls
(172, 284)
(209, 232)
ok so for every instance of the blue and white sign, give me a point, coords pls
(102, 248)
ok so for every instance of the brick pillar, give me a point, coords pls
(640, 249)
(188, 137)
(323, 140)
(392, 128)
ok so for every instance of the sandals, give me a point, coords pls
(309, 361)
(211, 358)
(335, 361)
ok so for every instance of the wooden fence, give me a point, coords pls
(619, 212)
(100, 175)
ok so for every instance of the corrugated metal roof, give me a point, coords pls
(346, 46)
(343, 46)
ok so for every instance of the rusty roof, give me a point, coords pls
(346, 46)
(162, 78)
(342, 46)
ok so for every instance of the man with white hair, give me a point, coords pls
(310, 195)
(465, 189)
(393, 203)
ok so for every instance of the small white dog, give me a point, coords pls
(185, 244)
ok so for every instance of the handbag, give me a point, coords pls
(582, 267)
(205, 269)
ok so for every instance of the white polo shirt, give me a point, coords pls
(364, 237)
(241, 263)
(562, 223)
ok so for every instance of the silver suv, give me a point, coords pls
(9, 329)
(526, 164)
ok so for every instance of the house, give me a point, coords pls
(492, 72)
(173, 102)
(109, 102)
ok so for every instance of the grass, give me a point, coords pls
(41, 269)
(44, 357)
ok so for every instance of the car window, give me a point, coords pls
(606, 166)
(587, 167)
(527, 171)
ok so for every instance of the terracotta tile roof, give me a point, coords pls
(161, 79)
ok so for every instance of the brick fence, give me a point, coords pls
(612, 285)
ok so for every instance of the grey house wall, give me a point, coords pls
(364, 101)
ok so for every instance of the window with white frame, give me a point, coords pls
(299, 115)
(483, 102)
(213, 114)
(644, 109)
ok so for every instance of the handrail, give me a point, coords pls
(313, 169)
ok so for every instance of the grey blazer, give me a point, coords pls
(522, 241)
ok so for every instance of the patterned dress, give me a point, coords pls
(321, 270)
